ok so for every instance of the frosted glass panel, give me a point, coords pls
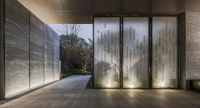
(135, 52)
(106, 52)
(164, 52)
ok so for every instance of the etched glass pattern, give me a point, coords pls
(107, 52)
(135, 52)
(164, 52)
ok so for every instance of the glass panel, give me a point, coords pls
(164, 52)
(107, 52)
(135, 52)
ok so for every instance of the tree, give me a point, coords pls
(85, 59)
(76, 52)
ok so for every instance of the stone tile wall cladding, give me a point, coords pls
(31, 50)
(192, 45)
(189, 43)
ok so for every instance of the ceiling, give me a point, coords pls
(82, 11)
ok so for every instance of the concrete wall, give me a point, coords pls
(44, 53)
(48, 36)
(31, 51)
(16, 48)
(56, 56)
(36, 51)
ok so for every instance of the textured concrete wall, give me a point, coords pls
(36, 52)
(31, 50)
(48, 61)
(16, 48)
(192, 45)
(56, 57)
(1, 48)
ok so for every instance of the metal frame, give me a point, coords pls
(150, 49)
(3, 51)
(121, 52)
(180, 71)
(150, 53)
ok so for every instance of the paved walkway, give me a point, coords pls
(71, 93)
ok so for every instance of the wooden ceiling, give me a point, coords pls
(82, 11)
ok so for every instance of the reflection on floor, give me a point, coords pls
(71, 93)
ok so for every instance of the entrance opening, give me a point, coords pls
(75, 48)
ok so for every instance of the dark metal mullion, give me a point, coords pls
(178, 55)
(121, 52)
(150, 53)
(93, 55)
(3, 51)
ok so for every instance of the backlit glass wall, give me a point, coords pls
(164, 52)
(135, 52)
(107, 52)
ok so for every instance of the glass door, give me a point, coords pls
(164, 41)
(107, 52)
(135, 52)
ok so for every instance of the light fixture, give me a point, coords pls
(162, 84)
(131, 86)
(109, 85)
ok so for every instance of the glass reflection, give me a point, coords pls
(135, 52)
(106, 52)
(164, 52)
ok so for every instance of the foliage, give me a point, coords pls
(76, 52)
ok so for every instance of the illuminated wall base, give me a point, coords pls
(31, 50)
(165, 84)
(135, 84)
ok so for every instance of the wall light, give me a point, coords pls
(131, 86)
(162, 84)
(108, 85)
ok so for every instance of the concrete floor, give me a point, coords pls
(71, 93)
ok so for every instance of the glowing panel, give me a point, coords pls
(107, 52)
(135, 52)
(164, 52)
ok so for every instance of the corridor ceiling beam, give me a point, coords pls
(82, 11)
